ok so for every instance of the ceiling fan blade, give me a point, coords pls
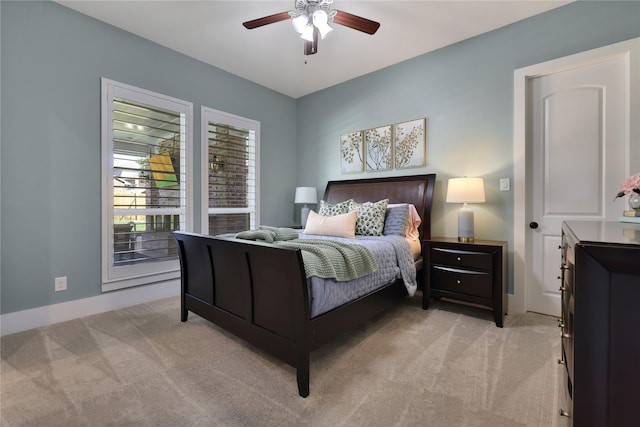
(266, 20)
(356, 22)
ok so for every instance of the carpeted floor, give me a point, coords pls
(140, 366)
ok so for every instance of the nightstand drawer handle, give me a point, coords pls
(458, 282)
(459, 259)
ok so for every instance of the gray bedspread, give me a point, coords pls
(395, 261)
(392, 255)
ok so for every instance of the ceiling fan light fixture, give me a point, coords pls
(300, 22)
(307, 34)
(311, 19)
(320, 19)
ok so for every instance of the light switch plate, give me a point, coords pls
(504, 184)
(60, 283)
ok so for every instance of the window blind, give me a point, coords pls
(148, 170)
(231, 172)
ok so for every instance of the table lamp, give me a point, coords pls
(465, 190)
(306, 195)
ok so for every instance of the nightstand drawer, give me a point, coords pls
(456, 257)
(467, 282)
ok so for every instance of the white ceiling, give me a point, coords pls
(272, 56)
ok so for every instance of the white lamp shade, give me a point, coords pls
(320, 21)
(307, 33)
(300, 22)
(465, 190)
(306, 195)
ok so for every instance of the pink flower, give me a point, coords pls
(630, 185)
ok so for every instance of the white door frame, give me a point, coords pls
(630, 50)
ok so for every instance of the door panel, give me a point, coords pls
(578, 127)
(572, 126)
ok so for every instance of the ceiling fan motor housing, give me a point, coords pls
(303, 6)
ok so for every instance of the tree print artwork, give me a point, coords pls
(398, 146)
(351, 152)
(410, 144)
(378, 152)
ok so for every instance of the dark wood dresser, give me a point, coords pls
(600, 323)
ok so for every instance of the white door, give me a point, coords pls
(579, 121)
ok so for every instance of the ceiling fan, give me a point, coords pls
(311, 20)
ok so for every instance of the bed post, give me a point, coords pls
(184, 313)
(303, 332)
(302, 374)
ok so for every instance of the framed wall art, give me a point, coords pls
(351, 152)
(410, 144)
(378, 149)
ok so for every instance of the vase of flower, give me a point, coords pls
(634, 201)
(631, 187)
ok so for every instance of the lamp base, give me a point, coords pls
(465, 224)
(304, 214)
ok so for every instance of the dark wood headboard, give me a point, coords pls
(414, 189)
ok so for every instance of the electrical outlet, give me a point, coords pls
(504, 184)
(60, 283)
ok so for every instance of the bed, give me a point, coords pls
(259, 291)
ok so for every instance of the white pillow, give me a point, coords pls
(337, 226)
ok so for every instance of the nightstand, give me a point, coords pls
(472, 272)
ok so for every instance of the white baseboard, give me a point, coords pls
(514, 304)
(48, 315)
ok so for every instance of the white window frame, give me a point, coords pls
(120, 277)
(210, 115)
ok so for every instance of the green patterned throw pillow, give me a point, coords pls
(327, 209)
(370, 217)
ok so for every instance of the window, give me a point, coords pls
(146, 151)
(230, 152)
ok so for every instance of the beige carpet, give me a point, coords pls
(140, 366)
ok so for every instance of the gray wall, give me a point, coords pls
(466, 93)
(52, 60)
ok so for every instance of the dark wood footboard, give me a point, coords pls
(254, 290)
(258, 292)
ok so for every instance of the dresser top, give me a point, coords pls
(622, 233)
